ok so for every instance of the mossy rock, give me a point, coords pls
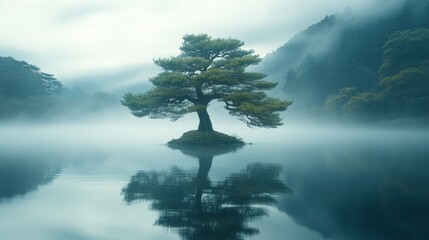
(197, 138)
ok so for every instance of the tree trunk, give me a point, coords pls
(202, 180)
(205, 122)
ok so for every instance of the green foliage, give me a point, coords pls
(21, 80)
(255, 109)
(408, 91)
(209, 69)
(365, 107)
(334, 104)
(405, 49)
(157, 104)
(24, 89)
(403, 92)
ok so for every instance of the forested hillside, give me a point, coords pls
(370, 67)
(22, 80)
(29, 93)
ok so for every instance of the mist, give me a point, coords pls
(81, 167)
(93, 93)
(309, 40)
(81, 36)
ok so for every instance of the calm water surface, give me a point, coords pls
(361, 184)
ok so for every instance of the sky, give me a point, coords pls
(71, 38)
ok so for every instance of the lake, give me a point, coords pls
(306, 182)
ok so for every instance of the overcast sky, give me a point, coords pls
(69, 37)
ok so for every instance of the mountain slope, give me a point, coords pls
(342, 50)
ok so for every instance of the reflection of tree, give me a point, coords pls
(20, 176)
(201, 209)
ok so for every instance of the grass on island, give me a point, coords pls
(197, 138)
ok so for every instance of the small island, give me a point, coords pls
(198, 138)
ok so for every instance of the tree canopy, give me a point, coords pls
(405, 49)
(209, 69)
(403, 89)
(20, 79)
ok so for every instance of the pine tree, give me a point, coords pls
(209, 69)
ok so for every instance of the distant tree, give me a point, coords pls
(209, 69)
(405, 49)
(366, 106)
(20, 80)
(408, 91)
(403, 91)
(25, 90)
(334, 104)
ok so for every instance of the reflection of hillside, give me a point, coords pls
(371, 192)
(19, 177)
(198, 208)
